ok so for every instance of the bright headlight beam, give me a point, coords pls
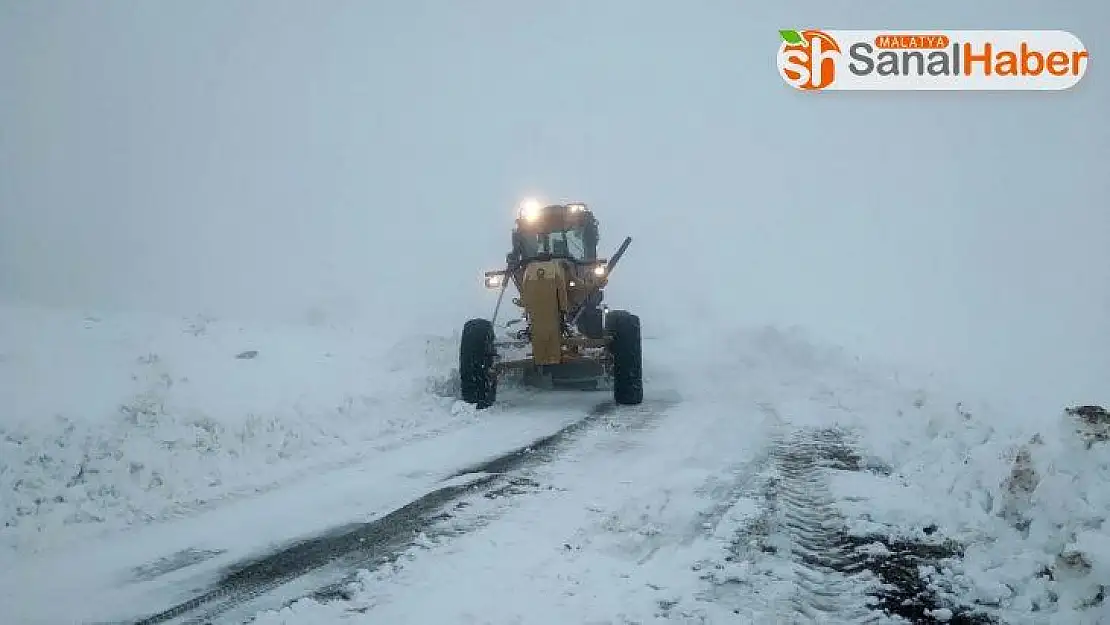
(530, 209)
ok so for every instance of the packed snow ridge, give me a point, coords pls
(113, 422)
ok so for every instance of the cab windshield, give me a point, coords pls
(560, 244)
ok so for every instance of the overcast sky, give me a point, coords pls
(262, 158)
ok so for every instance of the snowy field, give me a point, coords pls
(765, 479)
(120, 419)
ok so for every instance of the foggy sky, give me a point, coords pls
(266, 158)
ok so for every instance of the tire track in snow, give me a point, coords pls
(331, 558)
(514, 475)
(797, 560)
(361, 542)
(831, 584)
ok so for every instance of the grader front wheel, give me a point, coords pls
(477, 380)
(628, 384)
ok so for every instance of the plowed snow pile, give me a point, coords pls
(1025, 502)
(115, 419)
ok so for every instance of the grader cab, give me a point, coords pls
(565, 337)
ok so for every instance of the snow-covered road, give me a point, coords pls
(128, 574)
(765, 479)
(612, 530)
(694, 514)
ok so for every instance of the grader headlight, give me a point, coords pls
(530, 209)
(494, 280)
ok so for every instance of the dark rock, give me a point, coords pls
(1093, 423)
(1091, 414)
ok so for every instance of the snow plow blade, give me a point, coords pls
(572, 373)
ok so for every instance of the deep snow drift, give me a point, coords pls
(125, 419)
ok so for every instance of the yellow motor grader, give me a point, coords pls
(565, 337)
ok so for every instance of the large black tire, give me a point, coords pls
(476, 352)
(628, 383)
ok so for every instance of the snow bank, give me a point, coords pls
(1057, 499)
(1027, 498)
(109, 420)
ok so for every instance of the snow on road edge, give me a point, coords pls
(124, 418)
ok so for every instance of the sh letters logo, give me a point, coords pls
(807, 59)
